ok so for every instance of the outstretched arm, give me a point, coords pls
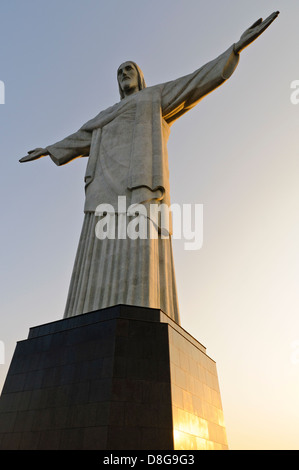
(181, 95)
(74, 146)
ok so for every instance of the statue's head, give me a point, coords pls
(130, 79)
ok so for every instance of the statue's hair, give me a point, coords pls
(141, 81)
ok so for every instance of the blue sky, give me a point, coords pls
(236, 153)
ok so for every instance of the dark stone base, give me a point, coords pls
(115, 379)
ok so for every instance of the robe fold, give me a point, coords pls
(126, 146)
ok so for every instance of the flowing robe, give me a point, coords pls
(127, 149)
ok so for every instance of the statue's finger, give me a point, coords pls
(25, 159)
(32, 156)
(270, 19)
(273, 15)
(258, 22)
(38, 149)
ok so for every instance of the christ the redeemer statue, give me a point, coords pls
(126, 146)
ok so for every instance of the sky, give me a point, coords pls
(236, 153)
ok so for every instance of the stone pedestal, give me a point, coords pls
(115, 379)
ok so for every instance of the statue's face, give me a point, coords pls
(128, 78)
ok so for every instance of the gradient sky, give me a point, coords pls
(237, 153)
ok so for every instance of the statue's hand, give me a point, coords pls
(252, 33)
(34, 155)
